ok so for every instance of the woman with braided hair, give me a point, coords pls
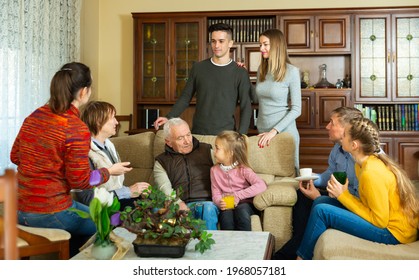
(387, 210)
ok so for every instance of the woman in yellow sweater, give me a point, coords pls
(387, 210)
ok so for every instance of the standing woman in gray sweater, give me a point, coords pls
(278, 91)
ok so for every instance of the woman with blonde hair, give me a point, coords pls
(232, 176)
(278, 91)
(387, 210)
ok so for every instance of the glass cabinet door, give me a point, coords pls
(406, 74)
(154, 61)
(374, 59)
(186, 52)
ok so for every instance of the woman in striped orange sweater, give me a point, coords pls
(51, 153)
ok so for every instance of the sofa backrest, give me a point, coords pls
(275, 160)
(137, 149)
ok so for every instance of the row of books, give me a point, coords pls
(396, 117)
(245, 29)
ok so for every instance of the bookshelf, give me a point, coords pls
(392, 117)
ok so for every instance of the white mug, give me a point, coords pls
(305, 172)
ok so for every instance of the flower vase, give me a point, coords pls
(103, 251)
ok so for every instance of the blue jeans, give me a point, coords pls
(67, 220)
(207, 211)
(327, 213)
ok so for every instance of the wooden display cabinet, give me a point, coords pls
(317, 34)
(386, 58)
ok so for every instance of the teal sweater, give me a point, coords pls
(218, 89)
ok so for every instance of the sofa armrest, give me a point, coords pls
(256, 223)
(338, 245)
(277, 194)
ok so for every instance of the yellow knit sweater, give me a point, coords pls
(379, 201)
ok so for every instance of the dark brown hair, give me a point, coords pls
(96, 113)
(221, 27)
(65, 85)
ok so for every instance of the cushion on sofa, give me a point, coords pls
(277, 194)
(137, 149)
(276, 159)
(335, 244)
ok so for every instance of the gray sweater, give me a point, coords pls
(218, 90)
(274, 110)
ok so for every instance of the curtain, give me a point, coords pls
(36, 38)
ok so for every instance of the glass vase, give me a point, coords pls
(103, 251)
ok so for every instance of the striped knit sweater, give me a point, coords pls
(51, 152)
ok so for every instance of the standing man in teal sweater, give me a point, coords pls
(219, 84)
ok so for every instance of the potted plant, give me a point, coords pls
(101, 209)
(161, 229)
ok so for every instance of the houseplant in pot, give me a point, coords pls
(162, 230)
(102, 207)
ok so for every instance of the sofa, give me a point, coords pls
(274, 164)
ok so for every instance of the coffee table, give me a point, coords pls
(229, 245)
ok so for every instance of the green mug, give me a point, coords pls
(340, 176)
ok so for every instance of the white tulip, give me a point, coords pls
(105, 197)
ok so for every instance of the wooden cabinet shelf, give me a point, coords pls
(317, 34)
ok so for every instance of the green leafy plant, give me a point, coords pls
(156, 219)
(101, 209)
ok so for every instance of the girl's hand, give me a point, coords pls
(222, 205)
(266, 137)
(335, 188)
(309, 190)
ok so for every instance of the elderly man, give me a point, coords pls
(185, 164)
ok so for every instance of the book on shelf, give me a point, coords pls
(391, 117)
(402, 119)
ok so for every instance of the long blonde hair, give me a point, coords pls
(366, 132)
(237, 145)
(276, 64)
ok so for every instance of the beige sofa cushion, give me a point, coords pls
(137, 149)
(276, 159)
(335, 244)
(277, 194)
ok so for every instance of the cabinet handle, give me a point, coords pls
(394, 57)
(311, 34)
(388, 56)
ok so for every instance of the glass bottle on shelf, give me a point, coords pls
(323, 83)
